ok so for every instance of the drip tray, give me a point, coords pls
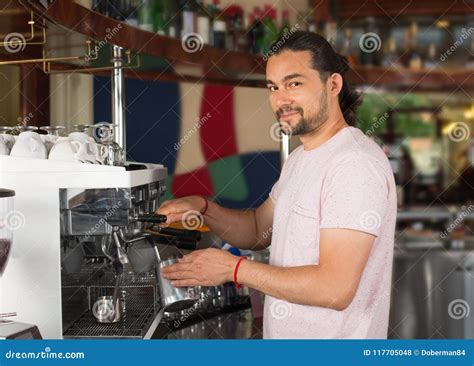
(137, 321)
(142, 309)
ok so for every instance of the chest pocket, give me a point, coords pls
(302, 242)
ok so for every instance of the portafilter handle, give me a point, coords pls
(150, 218)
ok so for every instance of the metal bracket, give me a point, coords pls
(47, 66)
(21, 40)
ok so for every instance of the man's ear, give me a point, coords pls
(335, 84)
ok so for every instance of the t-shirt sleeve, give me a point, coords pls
(355, 195)
(274, 192)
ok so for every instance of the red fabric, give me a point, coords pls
(218, 138)
(197, 182)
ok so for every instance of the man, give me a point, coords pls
(331, 215)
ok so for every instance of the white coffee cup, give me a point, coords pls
(68, 150)
(9, 140)
(89, 145)
(29, 145)
(4, 150)
(49, 141)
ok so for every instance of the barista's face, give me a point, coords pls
(297, 95)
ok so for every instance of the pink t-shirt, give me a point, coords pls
(346, 182)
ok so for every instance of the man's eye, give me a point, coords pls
(272, 88)
(294, 83)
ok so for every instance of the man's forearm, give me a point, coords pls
(236, 227)
(305, 285)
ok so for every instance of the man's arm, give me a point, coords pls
(249, 229)
(332, 283)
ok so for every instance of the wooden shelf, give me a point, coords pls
(214, 65)
(400, 79)
(346, 10)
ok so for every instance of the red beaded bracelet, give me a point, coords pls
(203, 212)
(236, 284)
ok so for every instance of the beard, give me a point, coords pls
(306, 124)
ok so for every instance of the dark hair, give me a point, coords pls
(326, 61)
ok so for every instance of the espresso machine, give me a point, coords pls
(85, 233)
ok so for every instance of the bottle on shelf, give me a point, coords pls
(470, 59)
(270, 29)
(242, 40)
(219, 27)
(411, 58)
(145, 15)
(391, 56)
(131, 17)
(330, 31)
(159, 17)
(285, 23)
(203, 22)
(188, 19)
(347, 48)
(233, 15)
(431, 61)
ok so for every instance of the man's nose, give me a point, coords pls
(282, 98)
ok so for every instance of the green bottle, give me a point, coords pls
(159, 17)
(270, 29)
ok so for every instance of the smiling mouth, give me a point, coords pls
(288, 114)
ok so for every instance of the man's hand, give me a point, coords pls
(208, 267)
(177, 208)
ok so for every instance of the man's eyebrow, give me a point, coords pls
(287, 77)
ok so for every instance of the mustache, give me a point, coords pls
(281, 111)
